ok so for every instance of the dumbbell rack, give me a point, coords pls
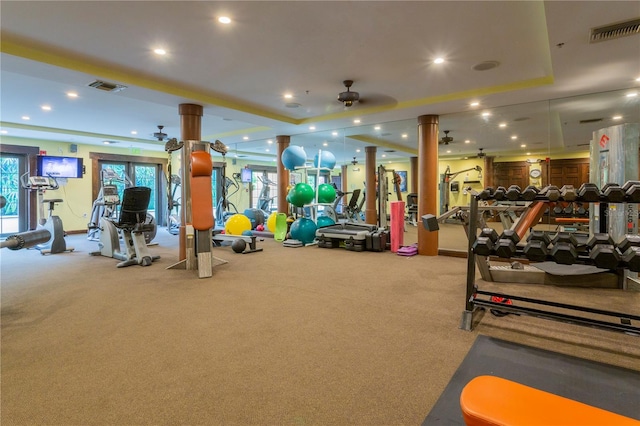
(476, 298)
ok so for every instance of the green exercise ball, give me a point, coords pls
(326, 193)
(324, 221)
(301, 194)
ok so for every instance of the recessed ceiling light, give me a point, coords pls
(46, 108)
(356, 121)
(638, 79)
(26, 117)
(438, 60)
(502, 125)
(269, 141)
(246, 138)
(384, 155)
(514, 137)
(357, 150)
(486, 114)
(224, 20)
(632, 94)
(133, 132)
(312, 127)
(334, 133)
(467, 141)
(288, 96)
(4, 132)
(325, 144)
(474, 104)
(159, 51)
(404, 135)
(523, 146)
(72, 94)
(528, 153)
(267, 150)
(448, 151)
(617, 117)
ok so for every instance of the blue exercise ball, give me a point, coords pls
(324, 221)
(256, 216)
(293, 156)
(303, 230)
(326, 160)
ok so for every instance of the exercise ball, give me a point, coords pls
(293, 156)
(326, 160)
(3, 201)
(324, 221)
(237, 224)
(271, 222)
(256, 216)
(326, 193)
(260, 228)
(239, 245)
(304, 230)
(301, 194)
(247, 233)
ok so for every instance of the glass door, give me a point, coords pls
(13, 215)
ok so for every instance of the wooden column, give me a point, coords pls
(487, 172)
(283, 175)
(190, 128)
(427, 181)
(370, 211)
(413, 163)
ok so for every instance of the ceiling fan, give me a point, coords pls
(354, 161)
(348, 98)
(160, 135)
(481, 153)
(446, 138)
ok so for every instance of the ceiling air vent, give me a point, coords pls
(106, 86)
(590, 120)
(621, 29)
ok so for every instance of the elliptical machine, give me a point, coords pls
(52, 224)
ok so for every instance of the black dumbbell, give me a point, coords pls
(551, 192)
(589, 192)
(485, 242)
(629, 240)
(513, 193)
(500, 193)
(632, 258)
(564, 250)
(557, 210)
(506, 245)
(568, 193)
(603, 252)
(486, 193)
(536, 248)
(529, 193)
(569, 209)
(631, 189)
(613, 193)
(581, 211)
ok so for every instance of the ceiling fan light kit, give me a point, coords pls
(348, 98)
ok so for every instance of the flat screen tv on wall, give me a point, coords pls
(59, 167)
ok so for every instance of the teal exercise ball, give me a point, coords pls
(301, 194)
(326, 160)
(324, 221)
(326, 193)
(303, 230)
(293, 156)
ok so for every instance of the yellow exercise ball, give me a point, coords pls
(237, 224)
(271, 223)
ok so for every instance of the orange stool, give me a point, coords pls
(492, 401)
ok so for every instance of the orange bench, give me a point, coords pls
(492, 401)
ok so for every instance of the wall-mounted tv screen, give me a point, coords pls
(59, 167)
(246, 176)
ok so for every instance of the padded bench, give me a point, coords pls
(492, 401)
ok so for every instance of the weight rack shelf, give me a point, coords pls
(476, 298)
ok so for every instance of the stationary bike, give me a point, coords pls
(52, 223)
